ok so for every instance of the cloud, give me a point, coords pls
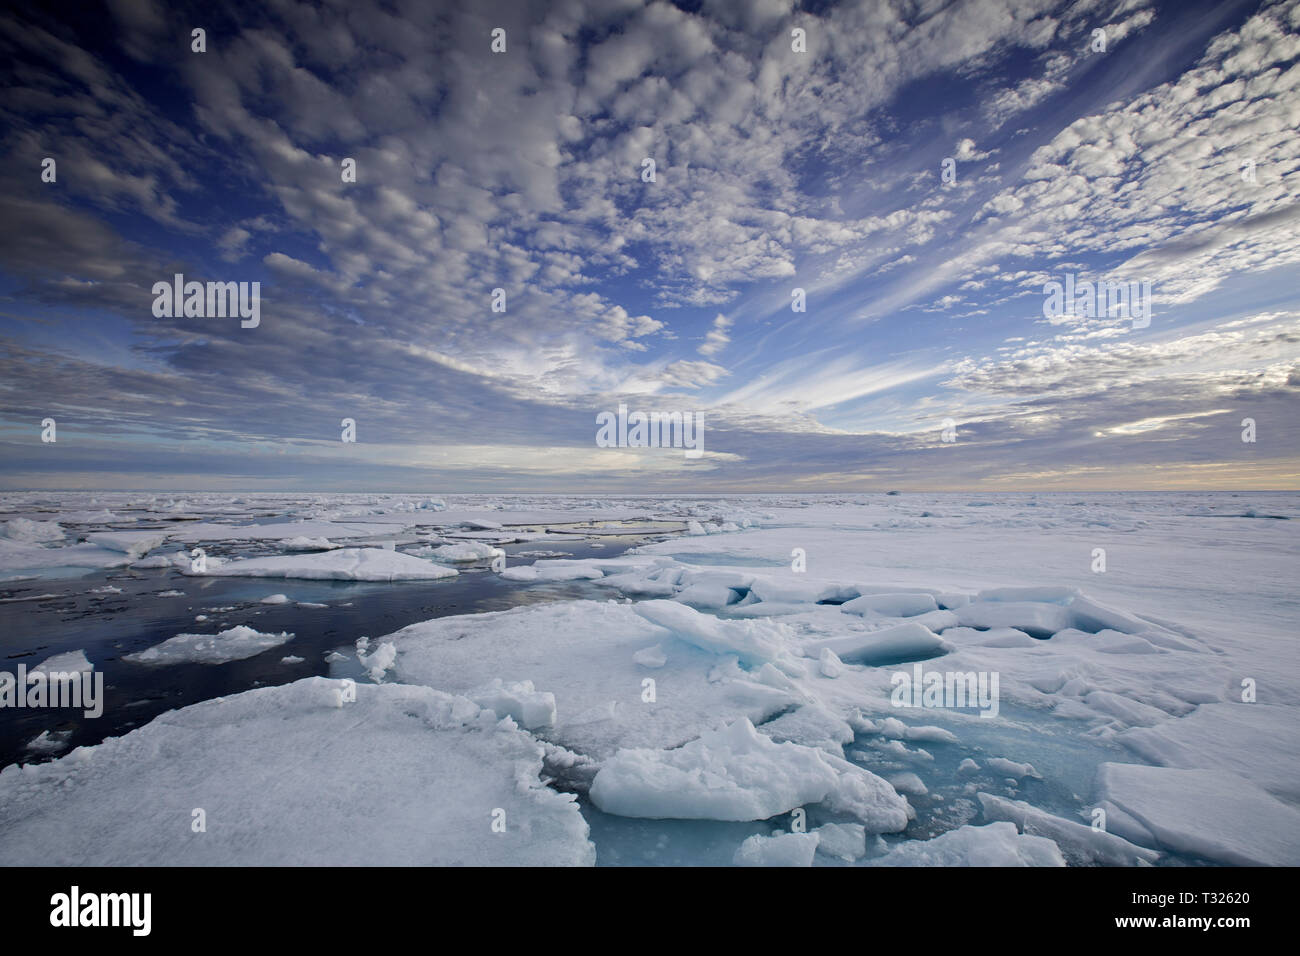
(774, 169)
(716, 340)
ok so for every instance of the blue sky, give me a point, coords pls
(1169, 157)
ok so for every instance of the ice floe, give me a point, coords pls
(232, 644)
(583, 652)
(344, 564)
(995, 844)
(1210, 813)
(69, 662)
(399, 776)
(779, 849)
(736, 773)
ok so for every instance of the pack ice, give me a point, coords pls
(704, 684)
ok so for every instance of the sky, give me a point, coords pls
(917, 173)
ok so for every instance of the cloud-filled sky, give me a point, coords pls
(920, 170)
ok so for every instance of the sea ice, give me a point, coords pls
(376, 662)
(1083, 844)
(402, 776)
(754, 642)
(587, 661)
(891, 605)
(463, 552)
(233, 644)
(736, 773)
(70, 662)
(134, 544)
(997, 844)
(344, 564)
(1209, 813)
(530, 708)
(302, 543)
(24, 529)
(844, 841)
(902, 641)
(1012, 768)
(779, 849)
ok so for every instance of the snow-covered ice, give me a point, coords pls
(344, 564)
(400, 776)
(779, 849)
(995, 844)
(736, 773)
(69, 662)
(232, 644)
(1212, 813)
(697, 677)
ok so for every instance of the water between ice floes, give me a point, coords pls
(109, 625)
(1066, 761)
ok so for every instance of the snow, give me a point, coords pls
(695, 636)
(291, 533)
(933, 734)
(1257, 741)
(102, 516)
(779, 849)
(651, 657)
(135, 544)
(232, 644)
(1210, 813)
(377, 662)
(812, 726)
(1012, 768)
(48, 742)
(303, 543)
(902, 641)
(997, 844)
(992, 637)
(553, 571)
(842, 841)
(27, 556)
(24, 529)
(891, 605)
(1083, 845)
(736, 773)
(344, 564)
(909, 783)
(70, 662)
(587, 661)
(530, 708)
(463, 552)
(404, 776)
(754, 642)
